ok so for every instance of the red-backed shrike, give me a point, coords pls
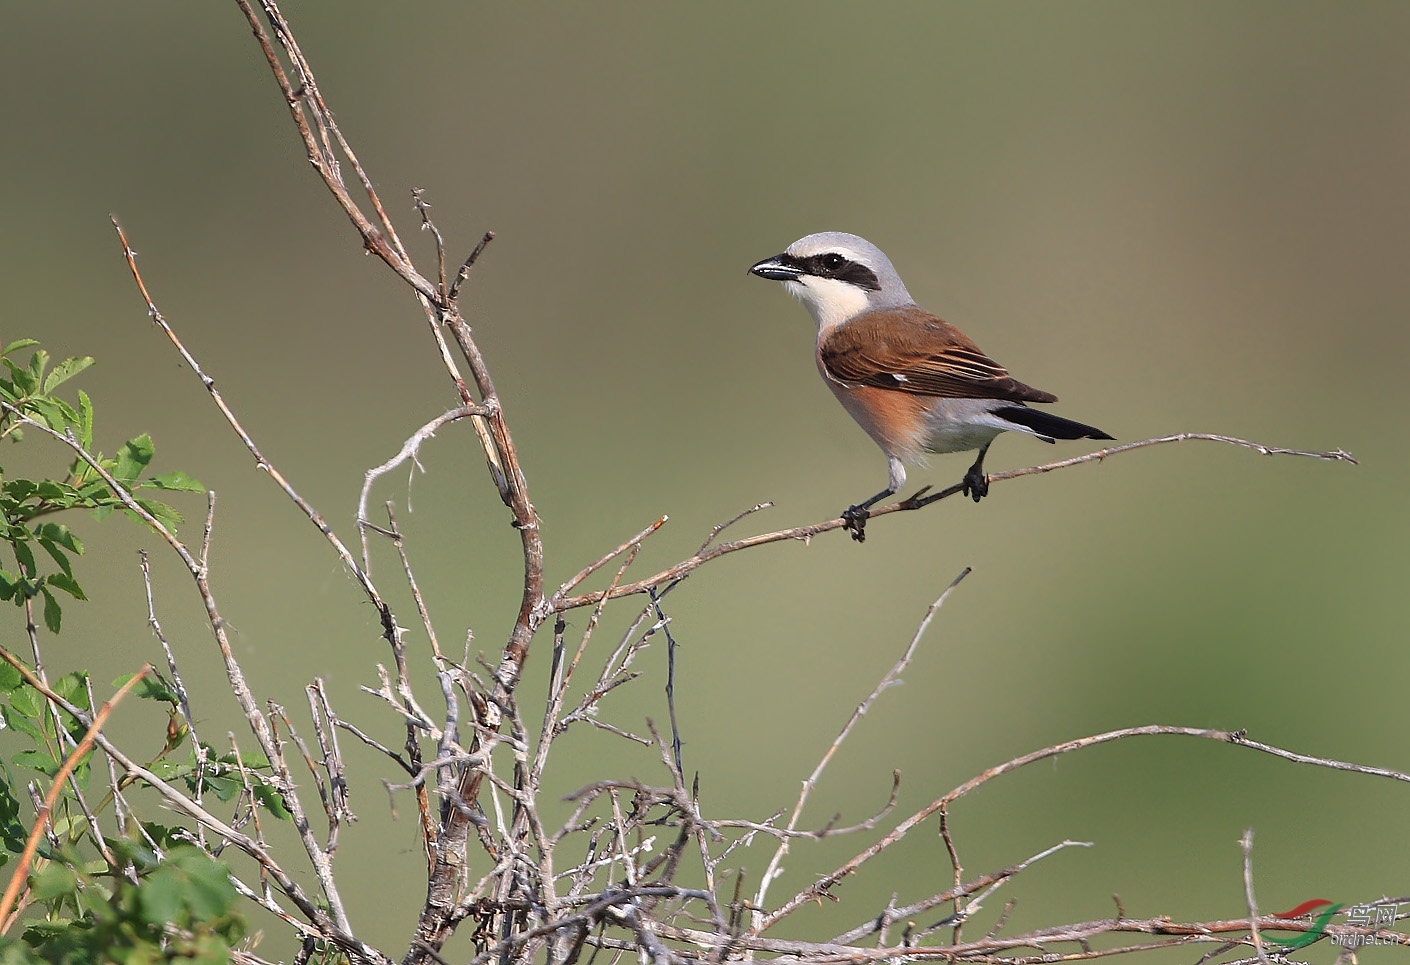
(914, 382)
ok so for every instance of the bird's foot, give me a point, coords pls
(854, 521)
(975, 484)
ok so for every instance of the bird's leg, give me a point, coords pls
(976, 483)
(854, 518)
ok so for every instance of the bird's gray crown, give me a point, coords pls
(852, 259)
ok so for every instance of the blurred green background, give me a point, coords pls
(1178, 216)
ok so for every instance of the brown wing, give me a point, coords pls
(910, 350)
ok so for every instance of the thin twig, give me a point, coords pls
(671, 647)
(606, 558)
(409, 451)
(184, 701)
(1246, 843)
(889, 679)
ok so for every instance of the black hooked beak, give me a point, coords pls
(778, 268)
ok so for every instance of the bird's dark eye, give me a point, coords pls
(832, 261)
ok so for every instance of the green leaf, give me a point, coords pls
(224, 788)
(166, 837)
(273, 801)
(94, 489)
(45, 411)
(18, 344)
(153, 687)
(211, 894)
(27, 701)
(59, 533)
(24, 381)
(25, 556)
(60, 940)
(73, 687)
(68, 584)
(9, 678)
(37, 760)
(132, 458)
(52, 881)
(38, 362)
(252, 761)
(64, 371)
(176, 481)
(164, 514)
(85, 420)
(55, 413)
(9, 585)
(11, 830)
(19, 489)
(189, 887)
(53, 613)
(53, 492)
(170, 770)
(161, 896)
(18, 720)
(58, 556)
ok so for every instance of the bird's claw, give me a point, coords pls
(854, 521)
(975, 484)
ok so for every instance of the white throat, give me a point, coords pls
(829, 301)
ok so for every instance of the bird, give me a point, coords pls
(914, 382)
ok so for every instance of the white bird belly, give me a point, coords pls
(957, 425)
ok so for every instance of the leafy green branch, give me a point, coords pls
(28, 391)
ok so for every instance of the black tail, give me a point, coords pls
(1050, 427)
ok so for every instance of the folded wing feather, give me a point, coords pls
(910, 350)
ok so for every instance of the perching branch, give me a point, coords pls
(560, 603)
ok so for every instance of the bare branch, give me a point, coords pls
(409, 451)
(806, 533)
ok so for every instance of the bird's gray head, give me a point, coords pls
(837, 276)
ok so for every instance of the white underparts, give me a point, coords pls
(957, 425)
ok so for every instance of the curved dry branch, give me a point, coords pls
(822, 886)
(409, 450)
(919, 501)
